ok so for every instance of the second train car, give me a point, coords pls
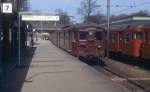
(131, 38)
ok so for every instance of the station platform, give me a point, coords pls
(54, 70)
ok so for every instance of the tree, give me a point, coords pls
(21, 5)
(96, 18)
(25, 5)
(118, 17)
(87, 9)
(64, 17)
(141, 13)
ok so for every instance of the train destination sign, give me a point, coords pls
(39, 18)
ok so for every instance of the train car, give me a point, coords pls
(88, 43)
(83, 41)
(68, 39)
(54, 37)
(115, 46)
(127, 41)
(130, 38)
(145, 50)
(63, 38)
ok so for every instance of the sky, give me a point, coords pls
(70, 6)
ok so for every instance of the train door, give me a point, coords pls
(91, 42)
(120, 41)
(137, 43)
(74, 43)
(99, 37)
(59, 39)
(70, 41)
(66, 40)
(146, 46)
(64, 35)
(114, 41)
(117, 42)
(83, 41)
(127, 45)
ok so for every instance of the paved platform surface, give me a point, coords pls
(53, 70)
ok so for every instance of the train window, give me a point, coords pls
(113, 37)
(128, 26)
(148, 37)
(98, 35)
(73, 37)
(83, 35)
(138, 35)
(126, 37)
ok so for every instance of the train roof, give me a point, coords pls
(67, 27)
(77, 26)
(88, 25)
(130, 22)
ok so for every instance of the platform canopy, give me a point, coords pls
(132, 19)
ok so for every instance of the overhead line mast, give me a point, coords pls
(108, 27)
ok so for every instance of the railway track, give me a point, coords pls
(132, 84)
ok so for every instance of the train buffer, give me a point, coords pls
(53, 70)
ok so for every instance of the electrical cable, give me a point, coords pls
(139, 5)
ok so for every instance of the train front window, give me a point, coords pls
(98, 35)
(138, 35)
(83, 35)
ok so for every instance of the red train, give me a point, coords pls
(146, 44)
(88, 42)
(127, 41)
(131, 39)
(84, 41)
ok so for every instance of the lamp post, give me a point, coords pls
(108, 27)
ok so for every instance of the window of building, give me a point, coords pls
(98, 35)
(83, 35)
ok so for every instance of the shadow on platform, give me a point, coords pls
(15, 79)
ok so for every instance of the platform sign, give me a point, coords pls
(39, 18)
(6, 7)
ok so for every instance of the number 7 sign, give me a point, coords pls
(6, 7)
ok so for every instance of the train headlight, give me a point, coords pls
(99, 46)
